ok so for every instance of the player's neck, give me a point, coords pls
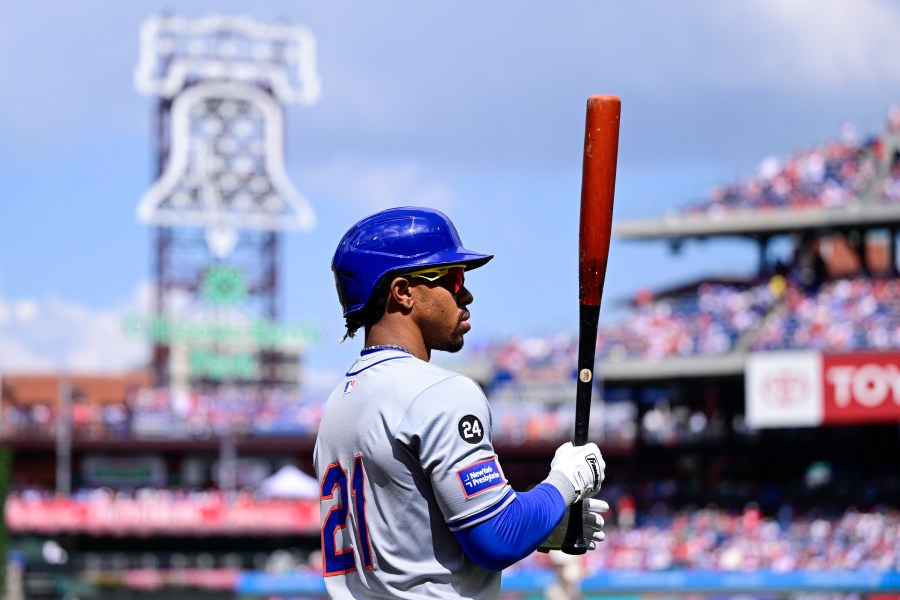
(385, 333)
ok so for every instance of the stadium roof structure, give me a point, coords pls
(761, 224)
(681, 367)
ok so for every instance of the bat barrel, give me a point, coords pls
(598, 186)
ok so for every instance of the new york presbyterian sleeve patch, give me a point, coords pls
(479, 477)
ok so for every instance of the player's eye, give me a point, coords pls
(455, 279)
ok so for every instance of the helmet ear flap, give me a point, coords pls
(343, 282)
(374, 308)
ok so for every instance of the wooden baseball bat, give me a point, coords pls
(598, 186)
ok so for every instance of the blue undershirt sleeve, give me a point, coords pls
(516, 531)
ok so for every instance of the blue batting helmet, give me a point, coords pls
(393, 241)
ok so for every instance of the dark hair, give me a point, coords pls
(371, 312)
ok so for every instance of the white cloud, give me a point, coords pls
(359, 183)
(55, 335)
(16, 355)
(824, 44)
(25, 310)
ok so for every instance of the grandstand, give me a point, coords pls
(683, 367)
(714, 491)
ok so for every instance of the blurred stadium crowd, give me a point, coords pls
(161, 413)
(781, 313)
(833, 174)
(713, 540)
(849, 314)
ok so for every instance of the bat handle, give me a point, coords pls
(589, 316)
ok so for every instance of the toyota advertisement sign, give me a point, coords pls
(809, 388)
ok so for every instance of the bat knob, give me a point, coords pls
(576, 547)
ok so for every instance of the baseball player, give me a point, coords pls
(414, 503)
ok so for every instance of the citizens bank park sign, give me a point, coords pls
(809, 388)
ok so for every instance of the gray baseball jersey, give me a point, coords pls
(404, 458)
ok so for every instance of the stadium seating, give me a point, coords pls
(835, 173)
(847, 314)
(713, 540)
(162, 413)
(708, 323)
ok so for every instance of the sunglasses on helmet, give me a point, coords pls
(452, 276)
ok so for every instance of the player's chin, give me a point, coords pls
(456, 342)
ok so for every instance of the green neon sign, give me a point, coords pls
(221, 366)
(256, 333)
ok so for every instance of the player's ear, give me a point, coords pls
(400, 294)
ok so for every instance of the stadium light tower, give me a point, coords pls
(222, 195)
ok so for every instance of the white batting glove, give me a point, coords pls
(592, 529)
(583, 466)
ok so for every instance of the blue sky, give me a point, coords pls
(475, 108)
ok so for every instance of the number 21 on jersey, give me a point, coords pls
(337, 561)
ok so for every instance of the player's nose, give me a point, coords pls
(464, 297)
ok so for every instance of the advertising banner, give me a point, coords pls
(160, 515)
(784, 389)
(138, 471)
(861, 388)
(809, 389)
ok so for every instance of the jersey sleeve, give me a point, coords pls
(448, 426)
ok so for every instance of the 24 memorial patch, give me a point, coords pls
(470, 429)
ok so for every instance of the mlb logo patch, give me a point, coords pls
(479, 477)
(348, 386)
